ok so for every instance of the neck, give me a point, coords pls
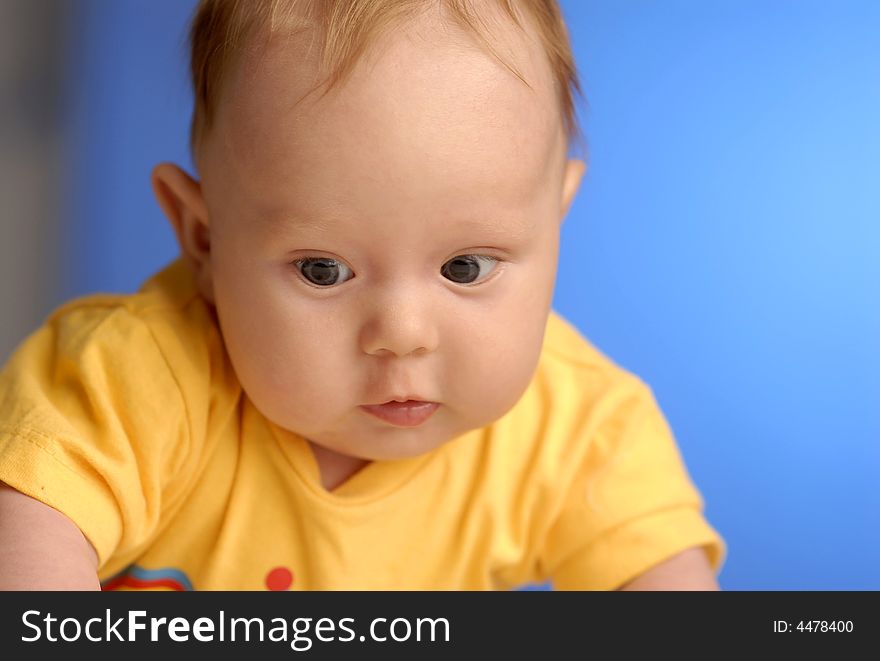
(335, 468)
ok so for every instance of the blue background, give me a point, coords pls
(723, 245)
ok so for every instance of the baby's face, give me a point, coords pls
(396, 239)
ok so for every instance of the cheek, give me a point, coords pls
(505, 330)
(498, 354)
(288, 357)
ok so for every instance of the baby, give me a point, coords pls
(352, 378)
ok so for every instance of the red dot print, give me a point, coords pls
(279, 579)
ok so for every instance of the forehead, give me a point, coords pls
(426, 111)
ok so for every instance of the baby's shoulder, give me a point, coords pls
(162, 339)
(568, 357)
(166, 315)
(579, 401)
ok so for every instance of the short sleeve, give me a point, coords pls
(93, 424)
(631, 503)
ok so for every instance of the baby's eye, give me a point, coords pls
(323, 271)
(465, 269)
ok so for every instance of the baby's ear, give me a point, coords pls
(180, 197)
(571, 181)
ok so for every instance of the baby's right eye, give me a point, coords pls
(323, 271)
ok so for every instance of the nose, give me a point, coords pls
(400, 324)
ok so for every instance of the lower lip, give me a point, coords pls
(403, 414)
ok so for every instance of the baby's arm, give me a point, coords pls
(41, 549)
(689, 570)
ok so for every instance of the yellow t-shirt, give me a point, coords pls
(124, 413)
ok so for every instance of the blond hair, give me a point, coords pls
(221, 29)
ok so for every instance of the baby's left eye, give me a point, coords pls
(465, 269)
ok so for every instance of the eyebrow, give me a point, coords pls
(291, 222)
(508, 226)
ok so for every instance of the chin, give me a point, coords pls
(395, 445)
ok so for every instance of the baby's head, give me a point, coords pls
(382, 184)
